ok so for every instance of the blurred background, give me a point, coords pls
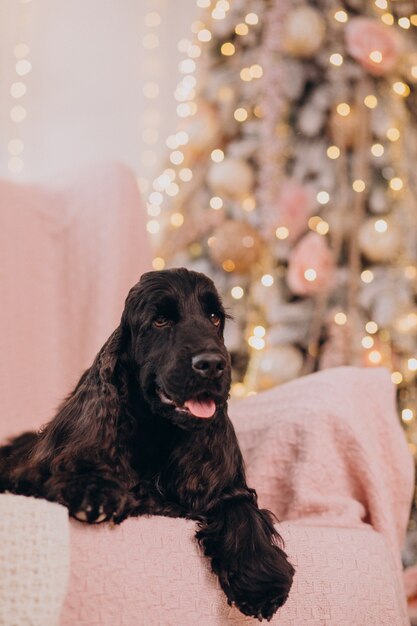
(273, 144)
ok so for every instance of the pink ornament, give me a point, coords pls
(375, 46)
(295, 205)
(311, 267)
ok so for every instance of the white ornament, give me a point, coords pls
(380, 239)
(304, 32)
(232, 177)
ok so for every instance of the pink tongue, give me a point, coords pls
(201, 409)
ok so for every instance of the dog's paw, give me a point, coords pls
(257, 588)
(92, 499)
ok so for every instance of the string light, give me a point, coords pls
(333, 152)
(310, 274)
(377, 150)
(371, 327)
(241, 29)
(371, 101)
(381, 226)
(375, 357)
(252, 19)
(388, 19)
(367, 342)
(267, 280)
(336, 59)
(367, 277)
(323, 197)
(358, 185)
(158, 263)
(341, 16)
(237, 292)
(401, 89)
(227, 49)
(404, 22)
(216, 203)
(396, 184)
(340, 318)
(282, 232)
(217, 155)
(240, 115)
(343, 109)
(412, 364)
(397, 378)
(393, 134)
(407, 415)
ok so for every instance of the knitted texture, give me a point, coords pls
(34, 561)
(326, 453)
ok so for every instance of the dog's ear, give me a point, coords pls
(87, 419)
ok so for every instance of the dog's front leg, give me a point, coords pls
(91, 492)
(242, 544)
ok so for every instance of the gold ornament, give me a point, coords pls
(232, 177)
(380, 239)
(235, 246)
(202, 129)
(274, 366)
(304, 31)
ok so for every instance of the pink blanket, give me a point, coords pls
(69, 253)
(328, 455)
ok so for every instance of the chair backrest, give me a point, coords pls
(69, 252)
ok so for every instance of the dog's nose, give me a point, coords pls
(208, 365)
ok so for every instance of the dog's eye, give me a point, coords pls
(161, 321)
(215, 319)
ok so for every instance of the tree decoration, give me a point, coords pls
(309, 172)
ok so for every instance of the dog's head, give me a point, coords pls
(174, 320)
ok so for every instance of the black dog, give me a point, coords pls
(146, 431)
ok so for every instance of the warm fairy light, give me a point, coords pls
(152, 19)
(377, 149)
(172, 190)
(153, 227)
(367, 342)
(228, 265)
(414, 71)
(176, 157)
(322, 228)
(216, 203)
(381, 226)
(267, 280)
(333, 152)
(381, 4)
(341, 16)
(17, 90)
(310, 275)
(185, 174)
(397, 378)
(204, 35)
(156, 197)
(177, 220)
(240, 115)
(371, 101)
(376, 56)
(375, 357)
(343, 109)
(227, 49)
(393, 134)
(158, 263)
(396, 183)
(358, 185)
(340, 318)
(241, 29)
(237, 292)
(404, 22)
(314, 221)
(15, 147)
(154, 210)
(256, 342)
(371, 327)
(259, 331)
(217, 155)
(17, 113)
(282, 232)
(251, 19)
(407, 415)
(187, 66)
(412, 365)
(323, 197)
(401, 89)
(249, 203)
(336, 59)
(245, 74)
(197, 26)
(256, 71)
(413, 19)
(367, 277)
(388, 19)
(23, 67)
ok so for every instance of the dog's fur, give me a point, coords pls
(123, 443)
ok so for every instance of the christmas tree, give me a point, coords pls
(292, 183)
